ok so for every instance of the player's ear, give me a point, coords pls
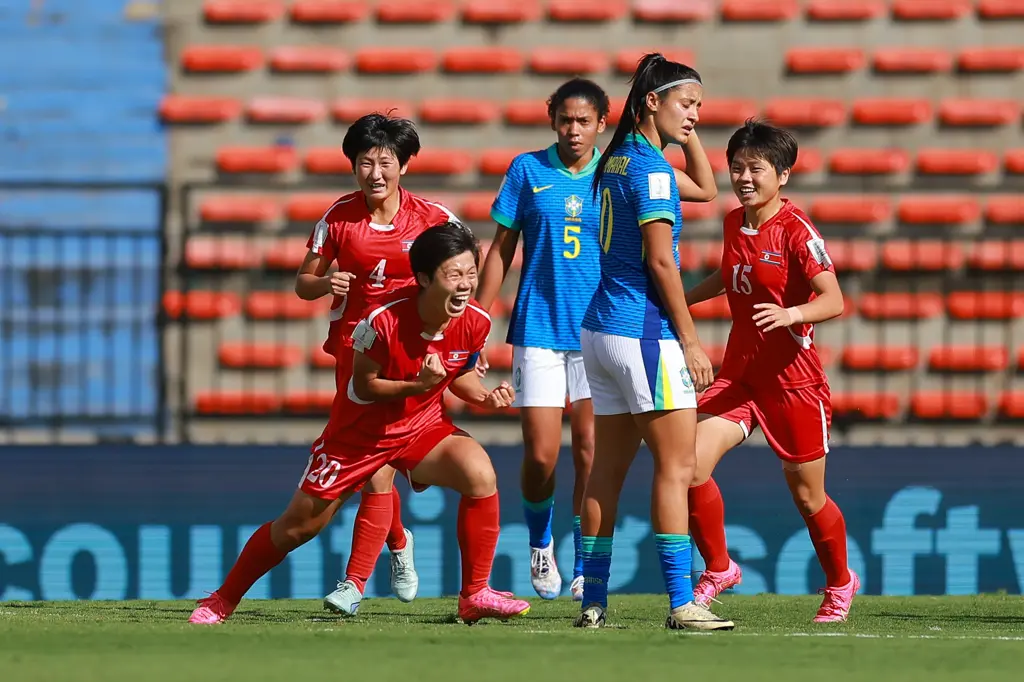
(403, 169)
(653, 101)
(422, 280)
(602, 123)
(784, 177)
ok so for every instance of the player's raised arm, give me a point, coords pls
(697, 182)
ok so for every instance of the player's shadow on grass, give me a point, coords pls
(953, 617)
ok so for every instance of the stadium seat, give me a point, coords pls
(727, 112)
(1011, 404)
(948, 405)
(912, 60)
(1005, 210)
(759, 10)
(396, 60)
(501, 11)
(873, 405)
(482, 60)
(829, 60)
(858, 161)
(870, 358)
(1014, 161)
(805, 113)
(221, 253)
(499, 356)
(237, 402)
(199, 109)
(938, 210)
(435, 161)
(985, 305)
(568, 62)
(308, 59)
(845, 10)
(956, 162)
(853, 255)
(307, 402)
(991, 59)
(900, 306)
(290, 110)
(968, 358)
(256, 159)
(883, 111)
(691, 254)
(284, 305)
(930, 10)
(1001, 9)
(453, 405)
(347, 110)
(979, 112)
(329, 11)
(242, 11)
(239, 209)
(258, 355)
(930, 255)
(996, 255)
(527, 112)
(714, 309)
(309, 207)
(326, 161)
(414, 11)
(586, 10)
(320, 358)
(201, 305)
(477, 206)
(221, 58)
(458, 111)
(497, 161)
(851, 209)
(285, 254)
(627, 59)
(672, 11)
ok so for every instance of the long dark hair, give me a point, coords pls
(652, 72)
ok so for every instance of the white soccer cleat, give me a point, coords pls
(345, 600)
(591, 617)
(692, 616)
(405, 583)
(576, 588)
(544, 572)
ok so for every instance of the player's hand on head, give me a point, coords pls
(501, 397)
(481, 363)
(699, 366)
(341, 283)
(771, 316)
(432, 371)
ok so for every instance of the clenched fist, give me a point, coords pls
(341, 283)
(501, 397)
(432, 372)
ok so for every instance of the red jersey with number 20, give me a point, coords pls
(774, 264)
(392, 336)
(378, 255)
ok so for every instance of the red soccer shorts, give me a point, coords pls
(795, 421)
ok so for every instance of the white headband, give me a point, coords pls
(672, 84)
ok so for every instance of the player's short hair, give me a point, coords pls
(439, 243)
(381, 131)
(581, 88)
(775, 145)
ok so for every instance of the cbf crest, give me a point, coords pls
(573, 206)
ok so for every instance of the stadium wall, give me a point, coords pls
(126, 521)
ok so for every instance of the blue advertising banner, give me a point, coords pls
(123, 522)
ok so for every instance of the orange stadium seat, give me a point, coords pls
(497, 161)
(221, 253)
(713, 256)
(691, 254)
(237, 402)
(627, 59)
(870, 358)
(284, 254)
(672, 11)
(1014, 161)
(845, 10)
(900, 306)
(853, 255)
(347, 110)
(891, 111)
(991, 59)
(396, 60)
(985, 305)
(997, 255)
(477, 206)
(221, 58)
(929, 255)
(953, 405)
(938, 210)
(699, 210)
(716, 354)
(453, 405)
(805, 112)
(527, 112)
(829, 60)
(482, 60)
(239, 209)
(956, 161)
(414, 11)
(326, 161)
(1011, 405)
(586, 10)
(458, 111)
(501, 11)
(242, 11)
(307, 402)
(727, 112)
(566, 61)
(284, 305)
(979, 112)
(1007, 210)
(912, 60)
(1001, 9)
(808, 161)
(759, 10)
(309, 207)
(930, 10)
(968, 358)
(308, 59)
(851, 209)
(292, 110)
(329, 11)
(199, 109)
(258, 355)
(320, 358)
(858, 161)
(201, 305)
(499, 356)
(714, 309)
(256, 159)
(874, 405)
(435, 161)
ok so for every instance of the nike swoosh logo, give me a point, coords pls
(541, 189)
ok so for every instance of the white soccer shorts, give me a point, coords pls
(636, 375)
(543, 377)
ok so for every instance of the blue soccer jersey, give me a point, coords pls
(556, 213)
(638, 186)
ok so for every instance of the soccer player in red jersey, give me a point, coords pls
(424, 339)
(368, 234)
(780, 282)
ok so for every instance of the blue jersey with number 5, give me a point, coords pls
(554, 210)
(638, 186)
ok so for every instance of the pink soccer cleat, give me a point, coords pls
(488, 603)
(712, 584)
(835, 607)
(212, 610)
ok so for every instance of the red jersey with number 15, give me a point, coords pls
(378, 255)
(774, 264)
(393, 337)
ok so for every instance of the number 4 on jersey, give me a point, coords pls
(377, 274)
(740, 281)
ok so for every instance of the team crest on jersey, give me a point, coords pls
(687, 379)
(406, 245)
(573, 206)
(458, 356)
(771, 257)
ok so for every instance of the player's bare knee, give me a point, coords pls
(381, 481)
(481, 481)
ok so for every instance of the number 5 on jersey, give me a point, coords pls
(570, 238)
(740, 281)
(377, 274)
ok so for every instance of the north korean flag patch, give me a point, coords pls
(772, 257)
(458, 356)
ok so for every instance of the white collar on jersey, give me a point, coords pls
(435, 337)
(381, 228)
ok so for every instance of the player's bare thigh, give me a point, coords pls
(382, 481)
(806, 481)
(460, 463)
(303, 518)
(715, 437)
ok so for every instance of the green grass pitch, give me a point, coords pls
(886, 639)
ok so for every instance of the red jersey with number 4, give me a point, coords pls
(392, 336)
(774, 264)
(378, 255)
